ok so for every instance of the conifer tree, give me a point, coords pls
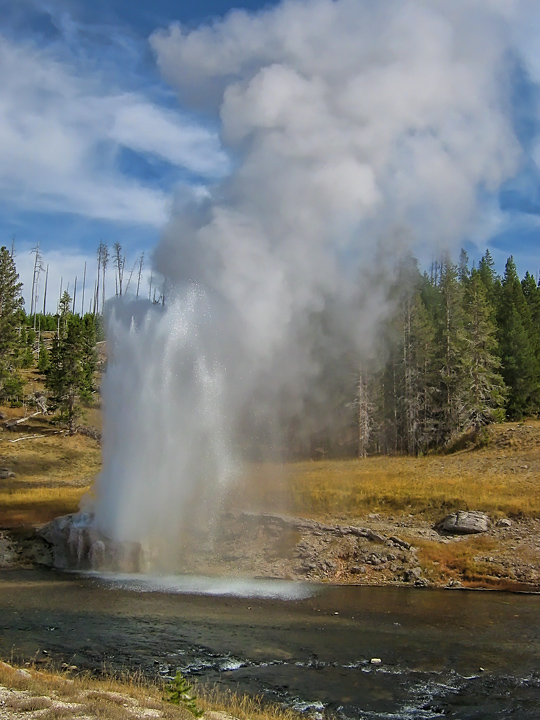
(491, 282)
(463, 267)
(531, 292)
(423, 384)
(460, 350)
(520, 366)
(486, 270)
(70, 376)
(43, 359)
(452, 350)
(11, 319)
(485, 391)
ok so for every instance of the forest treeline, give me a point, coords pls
(62, 347)
(460, 350)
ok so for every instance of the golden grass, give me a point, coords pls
(51, 475)
(37, 506)
(473, 561)
(57, 695)
(243, 707)
(480, 480)
(83, 695)
(53, 472)
(457, 559)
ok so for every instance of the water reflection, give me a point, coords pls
(281, 641)
(201, 585)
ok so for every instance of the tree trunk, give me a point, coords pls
(71, 414)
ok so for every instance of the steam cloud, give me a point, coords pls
(351, 124)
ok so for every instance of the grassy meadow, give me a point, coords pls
(500, 478)
(51, 473)
(53, 470)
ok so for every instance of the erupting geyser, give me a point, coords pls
(350, 125)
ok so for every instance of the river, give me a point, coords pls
(452, 654)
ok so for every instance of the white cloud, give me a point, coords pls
(60, 132)
(344, 115)
(147, 128)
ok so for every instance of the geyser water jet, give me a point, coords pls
(351, 125)
(165, 407)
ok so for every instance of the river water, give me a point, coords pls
(451, 654)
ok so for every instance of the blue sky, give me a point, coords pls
(98, 143)
(95, 145)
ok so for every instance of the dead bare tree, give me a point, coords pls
(74, 295)
(96, 288)
(45, 291)
(83, 288)
(119, 261)
(59, 298)
(94, 312)
(130, 276)
(364, 415)
(140, 272)
(104, 261)
(38, 267)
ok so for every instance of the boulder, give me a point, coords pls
(465, 523)
(6, 473)
(413, 574)
(77, 545)
(399, 542)
(7, 551)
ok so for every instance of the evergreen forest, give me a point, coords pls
(60, 347)
(460, 349)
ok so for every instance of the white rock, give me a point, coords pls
(465, 523)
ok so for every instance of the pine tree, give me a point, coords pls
(11, 303)
(11, 320)
(44, 362)
(485, 393)
(520, 366)
(70, 376)
(463, 267)
(64, 312)
(486, 270)
(180, 692)
(452, 348)
(531, 292)
(423, 389)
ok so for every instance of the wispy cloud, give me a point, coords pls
(61, 132)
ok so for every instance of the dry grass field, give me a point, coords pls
(501, 478)
(52, 472)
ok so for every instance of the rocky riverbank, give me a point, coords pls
(376, 550)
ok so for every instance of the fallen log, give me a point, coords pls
(13, 423)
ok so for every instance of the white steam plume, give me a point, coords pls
(347, 121)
